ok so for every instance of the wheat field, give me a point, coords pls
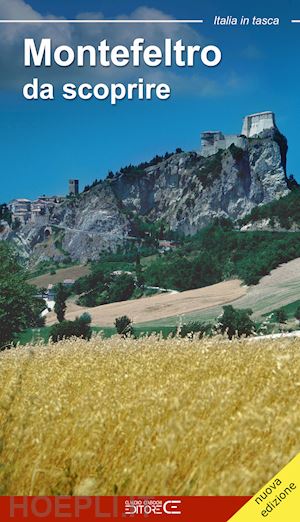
(148, 416)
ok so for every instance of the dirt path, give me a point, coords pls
(159, 306)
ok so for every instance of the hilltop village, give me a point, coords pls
(25, 211)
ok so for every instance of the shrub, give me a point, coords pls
(280, 316)
(86, 318)
(66, 329)
(124, 326)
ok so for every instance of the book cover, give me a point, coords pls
(150, 255)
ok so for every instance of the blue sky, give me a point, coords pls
(43, 144)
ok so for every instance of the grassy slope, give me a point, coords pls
(290, 309)
(146, 417)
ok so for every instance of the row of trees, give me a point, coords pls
(234, 322)
(133, 170)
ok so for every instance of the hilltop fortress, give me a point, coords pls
(253, 125)
(185, 190)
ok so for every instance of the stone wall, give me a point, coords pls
(212, 142)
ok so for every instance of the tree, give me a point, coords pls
(140, 280)
(94, 281)
(121, 288)
(60, 302)
(19, 308)
(297, 314)
(124, 326)
(236, 321)
(280, 316)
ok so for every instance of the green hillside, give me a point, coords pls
(285, 210)
(220, 252)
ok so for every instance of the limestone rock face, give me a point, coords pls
(186, 190)
(91, 223)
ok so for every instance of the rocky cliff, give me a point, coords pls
(185, 190)
(189, 191)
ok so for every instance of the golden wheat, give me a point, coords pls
(148, 417)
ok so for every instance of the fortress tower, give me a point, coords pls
(257, 123)
(74, 187)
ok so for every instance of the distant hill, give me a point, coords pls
(180, 193)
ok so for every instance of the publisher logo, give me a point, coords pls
(152, 507)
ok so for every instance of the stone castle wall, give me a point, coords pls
(212, 142)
